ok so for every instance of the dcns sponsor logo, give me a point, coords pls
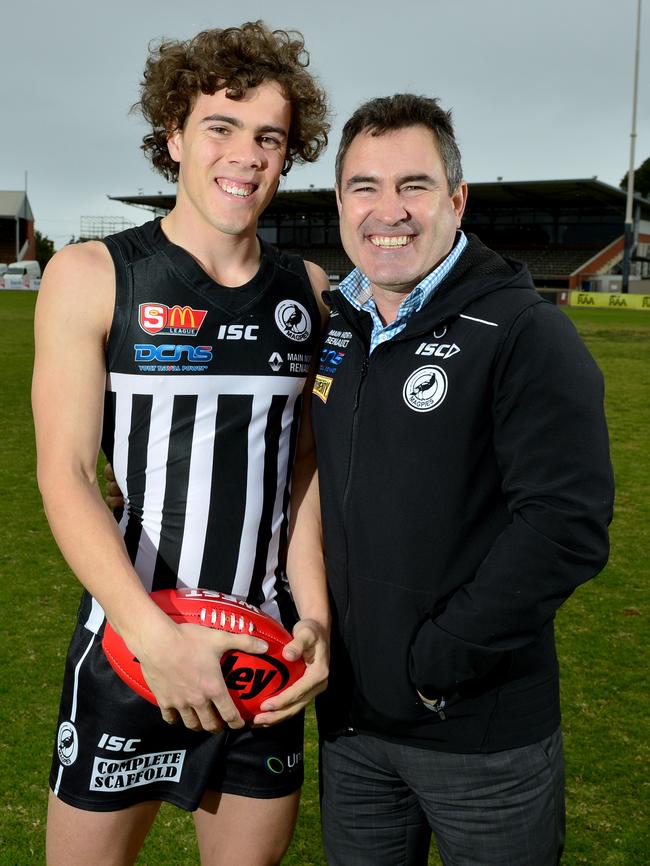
(331, 357)
(145, 353)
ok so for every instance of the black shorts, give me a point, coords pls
(113, 748)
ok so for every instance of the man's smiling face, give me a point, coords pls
(231, 154)
(398, 219)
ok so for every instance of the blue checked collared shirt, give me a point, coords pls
(356, 289)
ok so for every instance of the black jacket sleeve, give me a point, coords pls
(551, 444)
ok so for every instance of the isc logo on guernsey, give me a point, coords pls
(237, 332)
(168, 353)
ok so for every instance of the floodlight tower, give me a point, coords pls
(629, 224)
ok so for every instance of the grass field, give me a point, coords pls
(602, 631)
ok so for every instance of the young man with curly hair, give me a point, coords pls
(157, 343)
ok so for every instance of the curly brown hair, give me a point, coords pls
(236, 58)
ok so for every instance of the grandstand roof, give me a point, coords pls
(527, 193)
(14, 203)
(555, 193)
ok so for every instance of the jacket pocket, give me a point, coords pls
(378, 633)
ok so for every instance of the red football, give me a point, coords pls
(251, 678)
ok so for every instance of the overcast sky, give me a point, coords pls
(539, 89)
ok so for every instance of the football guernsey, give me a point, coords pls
(201, 417)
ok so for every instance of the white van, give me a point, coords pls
(22, 275)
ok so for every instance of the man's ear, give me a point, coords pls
(338, 198)
(175, 144)
(459, 200)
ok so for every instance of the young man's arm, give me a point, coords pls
(305, 562)
(73, 316)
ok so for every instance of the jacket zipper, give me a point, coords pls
(346, 490)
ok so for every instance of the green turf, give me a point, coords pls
(602, 632)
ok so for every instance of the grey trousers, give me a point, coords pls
(381, 801)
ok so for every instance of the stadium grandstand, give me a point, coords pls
(17, 239)
(569, 232)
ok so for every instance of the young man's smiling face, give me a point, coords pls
(398, 219)
(231, 154)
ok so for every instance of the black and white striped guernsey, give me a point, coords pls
(201, 416)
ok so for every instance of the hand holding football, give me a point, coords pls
(250, 678)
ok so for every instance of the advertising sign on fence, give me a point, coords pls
(612, 300)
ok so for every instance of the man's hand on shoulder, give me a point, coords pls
(113, 498)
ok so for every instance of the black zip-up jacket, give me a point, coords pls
(466, 490)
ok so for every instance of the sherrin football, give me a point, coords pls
(251, 678)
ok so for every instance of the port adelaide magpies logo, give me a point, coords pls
(425, 388)
(67, 743)
(293, 320)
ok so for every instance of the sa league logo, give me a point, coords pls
(293, 320)
(160, 319)
(425, 388)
